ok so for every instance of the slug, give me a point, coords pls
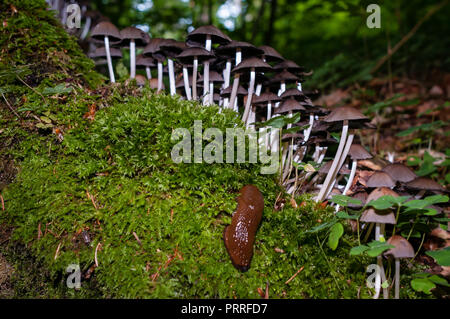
(239, 236)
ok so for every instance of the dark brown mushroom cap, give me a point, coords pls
(345, 113)
(289, 66)
(289, 136)
(380, 179)
(251, 63)
(188, 54)
(361, 196)
(270, 54)
(289, 105)
(143, 61)
(326, 167)
(354, 124)
(227, 92)
(213, 77)
(317, 139)
(172, 48)
(379, 192)
(131, 33)
(198, 36)
(402, 249)
(106, 29)
(370, 215)
(284, 76)
(424, 183)
(247, 49)
(266, 97)
(400, 172)
(357, 152)
(259, 77)
(294, 92)
(101, 53)
(312, 94)
(153, 49)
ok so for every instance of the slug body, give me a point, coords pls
(239, 236)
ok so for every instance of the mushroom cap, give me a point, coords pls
(251, 63)
(270, 54)
(380, 191)
(266, 97)
(145, 61)
(198, 36)
(326, 167)
(345, 113)
(402, 249)
(357, 152)
(108, 29)
(227, 91)
(283, 76)
(362, 196)
(380, 179)
(101, 53)
(213, 77)
(289, 105)
(171, 47)
(188, 54)
(400, 172)
(295, 136)
(246, 48)
(153, 49)
(296, 93)
(131, 33)
(370, 215)
(289, 66)
(424, 183)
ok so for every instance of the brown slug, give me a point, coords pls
(239, 236)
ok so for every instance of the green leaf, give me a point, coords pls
(441, 256)
(321, 227)
(358, 250)
(381, 203)
(422, 285)
(343, 200)
(376, 248)
(336, 233)
(345, 215)
(59, 89)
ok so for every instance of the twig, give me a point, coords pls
(9, 106)
(408, 35)
(137, 238)
(295, 275)
(3, 202)
(20, 79)
(95, 255)
(57, 250)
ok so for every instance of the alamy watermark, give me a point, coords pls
(74, 279)
(235, 141)
(374, 19)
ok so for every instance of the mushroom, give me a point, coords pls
(424, 184)
(344, 115)
(171, 49)
(147, 63)
(153, 49)
(402, 249)
(207, 35)
(196, 54)
(399, 172)
(380, 179)
(133, 37)
(106, 32)
(214, 77)
(270, 54)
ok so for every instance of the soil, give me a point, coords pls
(6, 270)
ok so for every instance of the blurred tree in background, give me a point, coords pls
(329, 37)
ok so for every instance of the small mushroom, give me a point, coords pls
(133, 37)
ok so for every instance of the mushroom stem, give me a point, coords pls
(194, 79)
(148, 72)
(397, 278)
(132, 59)
(108, 58)
(234, 91)
(327, 181)
(307, 132)
(160, 75)
(211, 93)
(350, 180)
(186, 83)
(269, 110)
(171, 76)
(251, 88)
(206, 73)
(87, 26)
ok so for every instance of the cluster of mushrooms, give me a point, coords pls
(259, 84)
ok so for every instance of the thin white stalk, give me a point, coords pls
(258, 89)
(194, 79)
(299, 86)
(171, 76)
(328, 179)
(206, 99)
(148, 72)
(160, 76)
(307, 132)
(251, 88)
(108, 58)
(350, 180)
(132, 59)
(397, 278)
(269, 110)
(211, 93)
(186, 83)
(234, 90)
(86, 28)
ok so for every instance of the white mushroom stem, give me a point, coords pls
(251, 88)
(86, 28)
(350, 180)
(226, 83)
(211, 93)
(397, 278)
(379, 230)
(234, 90)
(258, 89)
(171, 76)
(299, 86)
(108, 59)
(132, 59)
(269, 110)
(328, 179)
(206, 73)
(186, 83)
(148, 72)
(160, 75)
(194, 79)
(307, 132)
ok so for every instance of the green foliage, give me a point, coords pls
(441, 256)
(372, 249)
(424, 282)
